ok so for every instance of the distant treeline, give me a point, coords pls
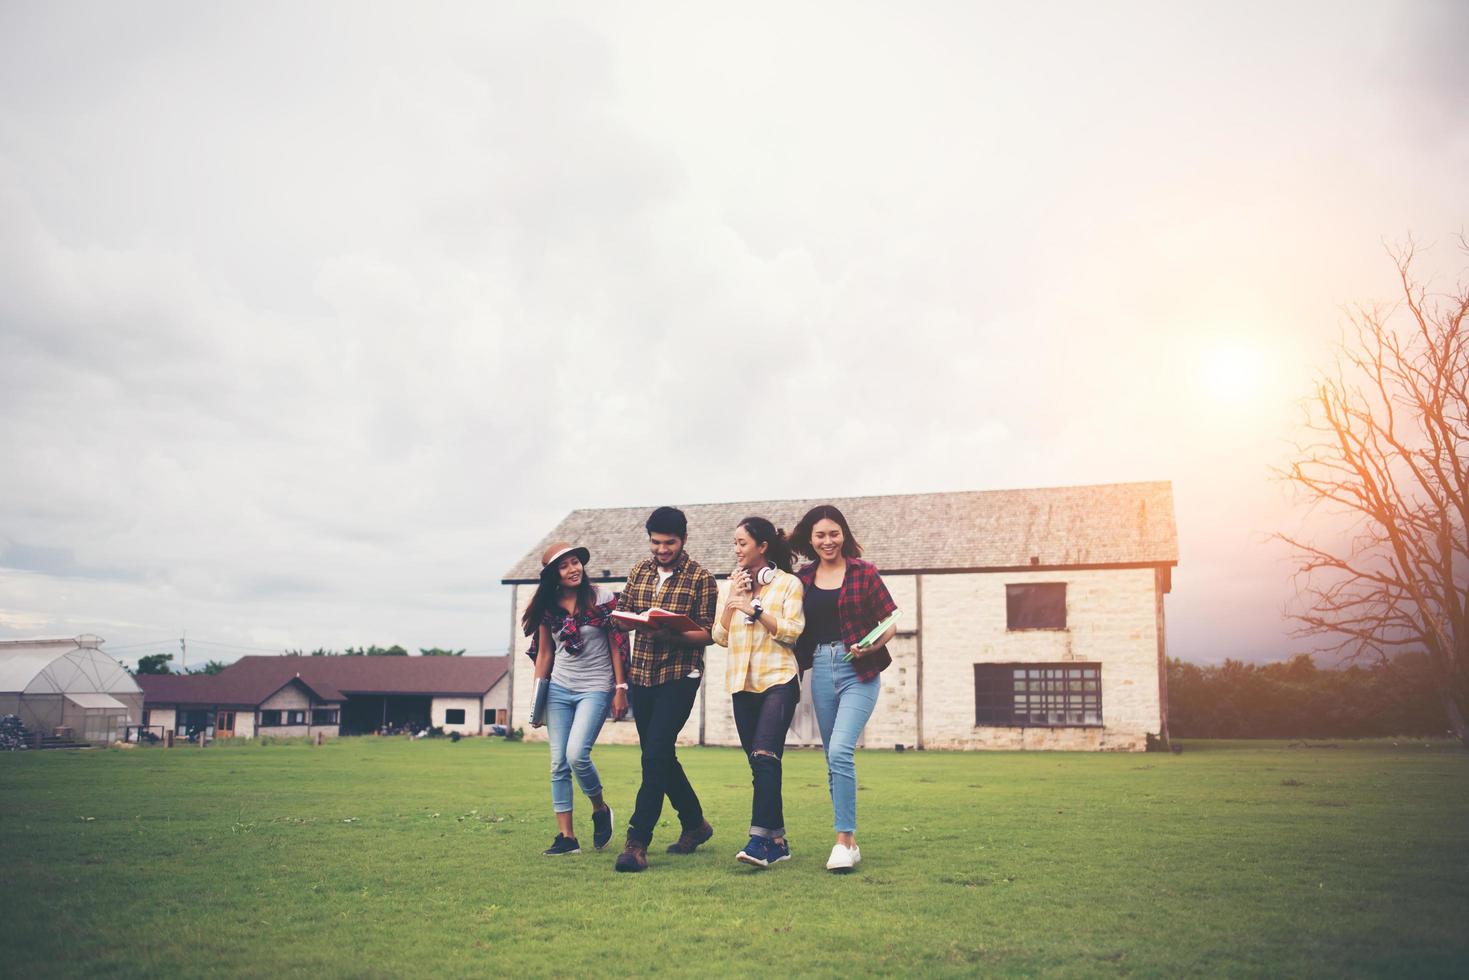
(1296, 699)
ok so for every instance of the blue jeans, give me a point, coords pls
(573, 721)
(843, 704)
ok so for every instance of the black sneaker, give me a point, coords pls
(601, 827)
(562, 845)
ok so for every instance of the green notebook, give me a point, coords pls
(878, 630)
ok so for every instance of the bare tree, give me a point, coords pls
(1387, 452)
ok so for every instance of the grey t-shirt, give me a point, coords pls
(590, 670)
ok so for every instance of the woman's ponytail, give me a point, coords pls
(777, 546)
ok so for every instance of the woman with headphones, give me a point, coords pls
(763, 615)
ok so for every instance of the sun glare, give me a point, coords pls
(1231, 373)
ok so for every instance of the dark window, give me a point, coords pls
(1035, 606)
(1037, 695)
(189, 722)
(489, 716)
(269, 718)
(323, 716)
(454, 716)
(295, 717)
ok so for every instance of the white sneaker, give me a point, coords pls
(842, 858)
(856, 854)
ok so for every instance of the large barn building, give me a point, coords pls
(68, 683)
(295, 696)
(1032, 619)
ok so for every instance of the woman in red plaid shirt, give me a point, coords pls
(845, 599)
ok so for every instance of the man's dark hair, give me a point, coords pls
(668, 520)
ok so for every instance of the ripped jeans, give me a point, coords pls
(762, 719)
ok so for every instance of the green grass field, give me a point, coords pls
(376, 857)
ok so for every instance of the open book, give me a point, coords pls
(656, 619)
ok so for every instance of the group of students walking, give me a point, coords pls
(776, 623)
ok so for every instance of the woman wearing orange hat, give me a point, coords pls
(581, 659)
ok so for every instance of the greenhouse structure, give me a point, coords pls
(68, 683)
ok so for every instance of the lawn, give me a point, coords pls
(385, 857)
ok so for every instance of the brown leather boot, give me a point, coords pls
(634, 857)
(689, 842)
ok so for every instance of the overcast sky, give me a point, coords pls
(315, 317)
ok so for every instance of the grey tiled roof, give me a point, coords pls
(1055, 527)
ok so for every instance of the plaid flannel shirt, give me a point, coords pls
(759, 659)
(692, 591)
(862, 603)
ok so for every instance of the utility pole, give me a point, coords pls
(184, 653)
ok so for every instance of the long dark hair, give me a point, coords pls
(777, 548)
(801, 536)
(548, 597)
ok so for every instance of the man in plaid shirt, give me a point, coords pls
(664, 673)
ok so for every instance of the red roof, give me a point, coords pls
(251, 680)
(176, 688)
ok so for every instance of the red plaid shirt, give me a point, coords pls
(862, 603)
(565, 626)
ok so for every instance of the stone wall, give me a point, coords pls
(1111, 619)
(1114, 617)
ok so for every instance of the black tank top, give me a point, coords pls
(821, 615)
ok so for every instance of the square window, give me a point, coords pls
(454, 716)
(1035, 606)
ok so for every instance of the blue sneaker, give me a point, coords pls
(775, 851)
(754, 853)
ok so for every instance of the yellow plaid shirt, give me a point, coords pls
(758, 659)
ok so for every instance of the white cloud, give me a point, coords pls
(313, 318)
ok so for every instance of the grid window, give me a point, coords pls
(269, 719)
(295, 717)
(1037, 695)
(1035, 606)
(323, 716)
